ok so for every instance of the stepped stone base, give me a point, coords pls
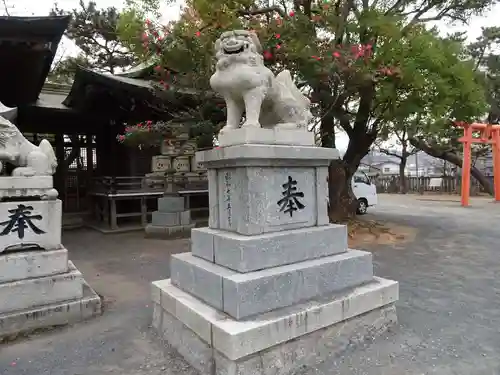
(171, 219)
(41, 289)
(266, 291)
(242, 295)
(20, 322)
(176, 231)
(274, 343)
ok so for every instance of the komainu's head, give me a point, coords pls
(237, 42)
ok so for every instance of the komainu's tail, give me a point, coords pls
(285, 78)
(47, 149)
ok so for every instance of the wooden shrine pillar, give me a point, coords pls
(466, 165)
(495, 148)
(489, 134)
(90, 157)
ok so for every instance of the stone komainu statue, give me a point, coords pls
(248, 86)
(30, 160)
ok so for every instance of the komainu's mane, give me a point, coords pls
(7, 130)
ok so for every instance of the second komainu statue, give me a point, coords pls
(249, 87)
(29, 160)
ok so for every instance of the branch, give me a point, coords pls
(265, 10)
(390, 153)
(6, 8)
(452, 158)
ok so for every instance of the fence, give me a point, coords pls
(445, 185)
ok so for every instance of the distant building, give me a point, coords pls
(419, 164)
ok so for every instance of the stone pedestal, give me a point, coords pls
(270, 286)
(171, 218)
(39, 286)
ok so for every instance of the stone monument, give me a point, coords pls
(176, 166)
(39, 286)
(270, 286)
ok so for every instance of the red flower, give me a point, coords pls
(197, 33)
(292, 13)
(278, 36)
(278, 46)
(336, 54)
(149, 122)
(144, 36)
(148, 22)
(316, 57)
(139, 125)
(121, 137)
(158, 68)
(268, 55)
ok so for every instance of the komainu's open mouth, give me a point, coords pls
(234, 52)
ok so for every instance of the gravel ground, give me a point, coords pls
(449, 308)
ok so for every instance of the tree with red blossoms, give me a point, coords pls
(365, 65)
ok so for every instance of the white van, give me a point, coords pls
(364, 191)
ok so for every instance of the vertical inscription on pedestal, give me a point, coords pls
(20, 218)
(290, 201)
(227, 197)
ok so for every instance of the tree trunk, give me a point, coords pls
(454, 159)
(342, 202)
(402, 176)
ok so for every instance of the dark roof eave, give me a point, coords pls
(50, 28)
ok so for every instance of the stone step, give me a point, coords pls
(198, 331)
(171, 204)
(168, 219)
(163, 232)
(33, 292)
(29, 264)
(244, 294)
(252, 253)
(51, 315)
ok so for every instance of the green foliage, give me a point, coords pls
(370, 66)
(63, 70)
(485, 52)
(94, 31)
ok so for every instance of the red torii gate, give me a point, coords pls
(489, 134)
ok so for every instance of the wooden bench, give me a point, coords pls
(108, 213)
(188, 193)
(109, 190)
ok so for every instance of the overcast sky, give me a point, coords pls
(42, 8)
